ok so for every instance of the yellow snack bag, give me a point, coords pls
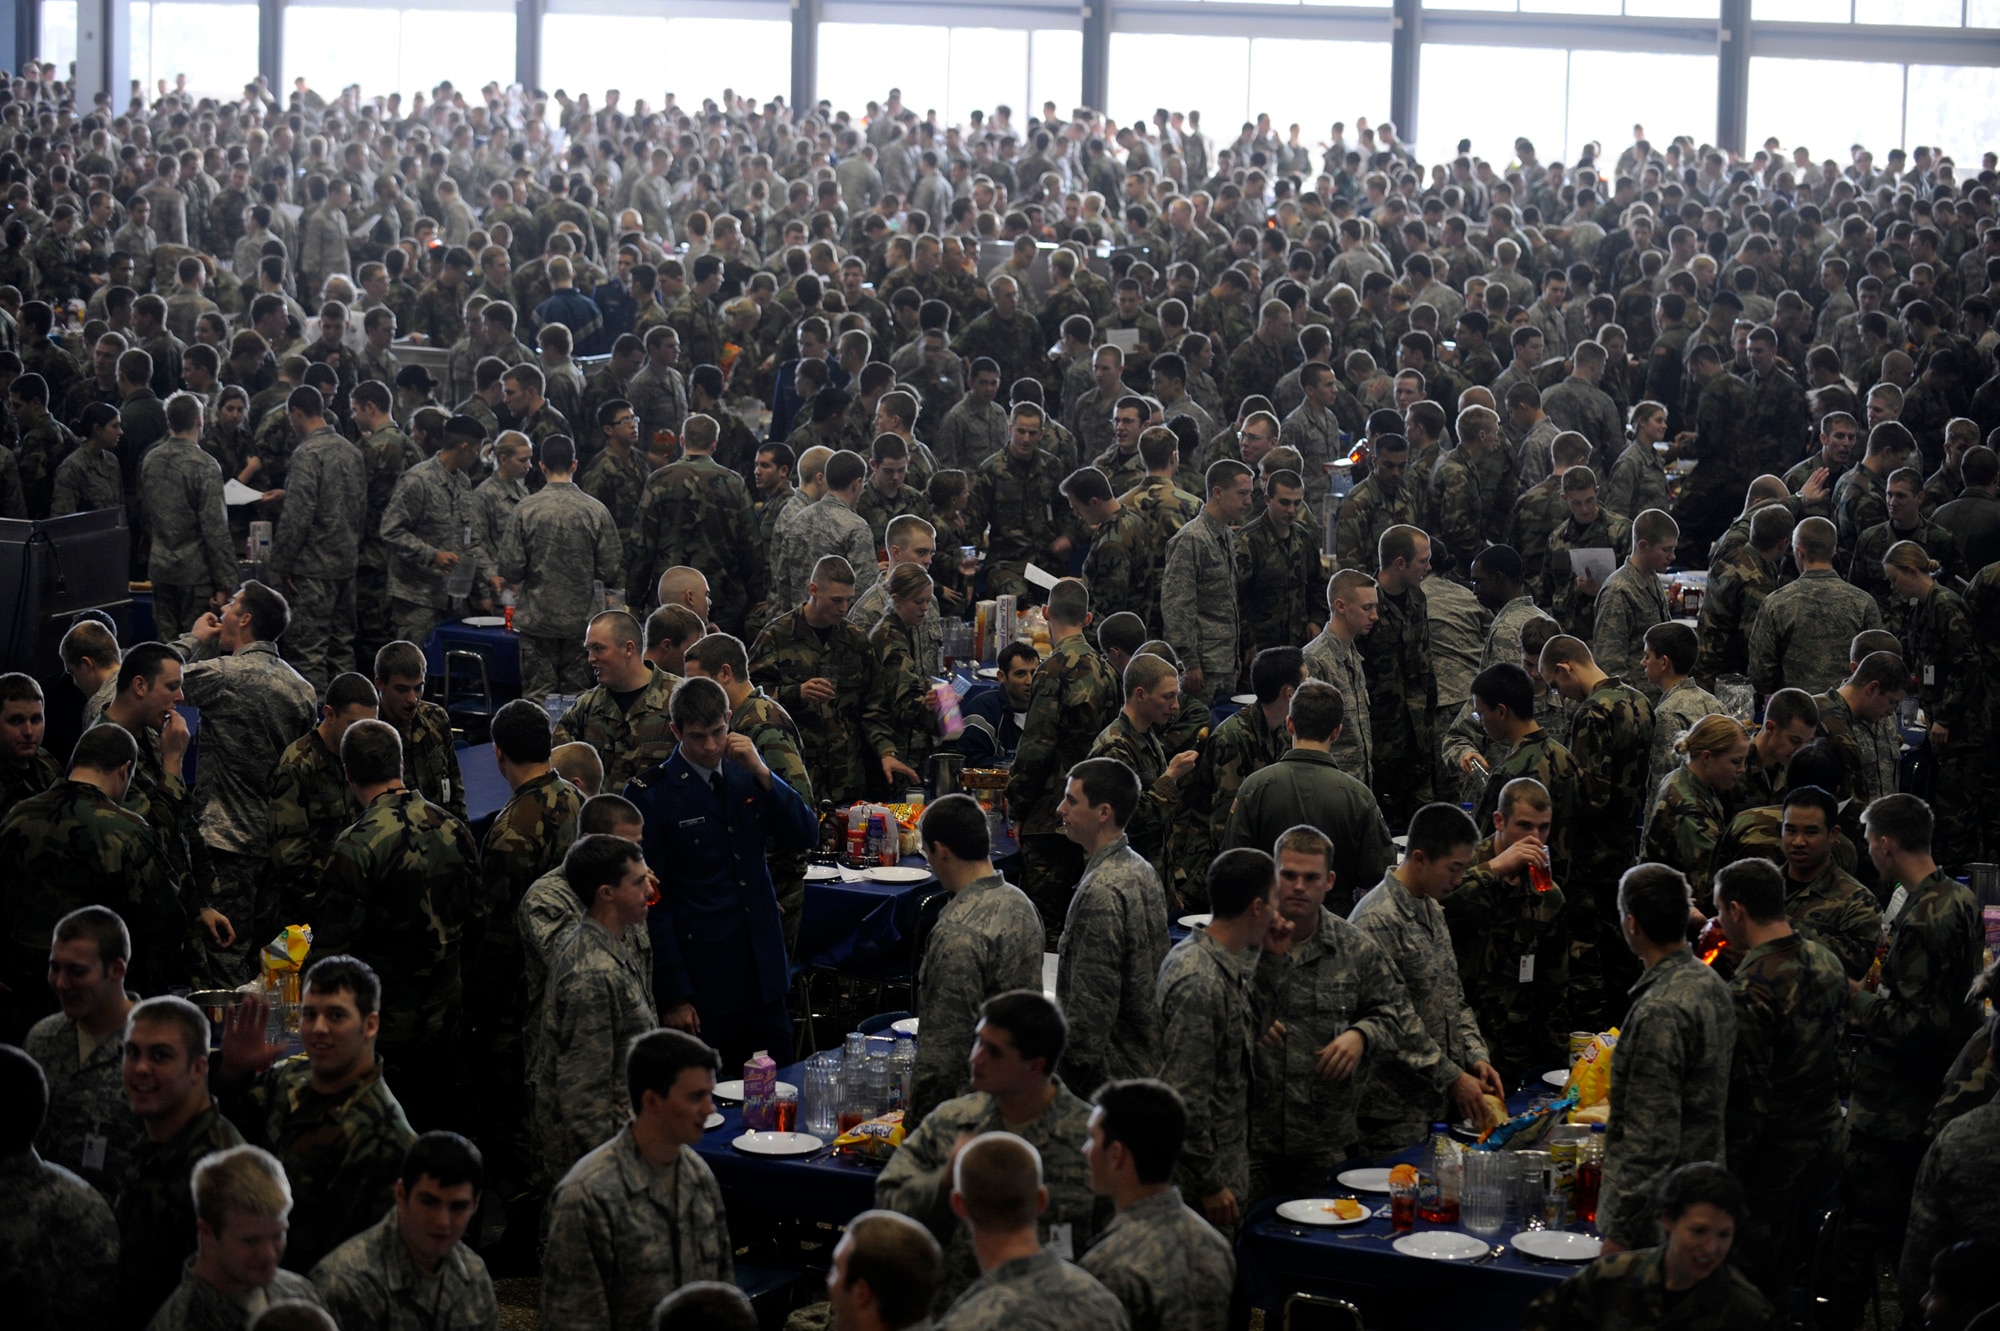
(876, 1139)
(1590, 1074)
(286, 954)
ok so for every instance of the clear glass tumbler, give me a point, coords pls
(1483, 1205)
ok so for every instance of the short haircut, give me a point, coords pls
(1109, 781)
(1655, 527)
(1317, 711)
(1677, 643)
(1699, 1183)
(900, 1262)
(1656, 896)
(596, 860)
(674, 624)
(1883, 669)
(521, 732)
(270, 612)
(330, 975)
(1069, 602)
(1399, 543)
(24, 1099)
(1146, 671)
(833, 571)
(957, 823)
(705, 1305)
(1149, 1119)
(1224, 473)
(399, 660)
(1815, 538)
(1524, 790)
(1506, 684)
(843, 469)
(243, 1180)
(103, 749)
(1788, 707)
(371, 752)
(1813, 796)
(603, 813)
(697, 702)
(1439, 829)
(1904, 819)
(1273, 670)
(1087, 485)
(101, 925)
(184, 412)
(87, 640)
(1757, 885)
(1032, 1020)
(999, 1176)
(446, 1157)
(654, 1062)
(145, 661)
(1238, 879)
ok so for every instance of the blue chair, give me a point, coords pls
(470, 709)
(882, 1021)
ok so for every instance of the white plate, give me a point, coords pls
(1364, 1180)
(1441, 1245)
(714, 1121)
(731, 1092)
(907, 1026)
(1243, 699)
(1557, 1245)
(1195, 921)
(1319, 1211)
(988, 672)
(821, 873)
(898, 873)
(1558, 1078)
(484, 621)
(777, 1143)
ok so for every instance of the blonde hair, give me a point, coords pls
(242, 1180)
(906, 579)
(1911, 558)
(1711, 734)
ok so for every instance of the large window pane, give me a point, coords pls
(1184, 73)
(1825, 105)
(1978, 13)
(324, 47)
(1801, 11)
(1569, 6)
(1457, 100)
(392, 50)
(589, 53)
(1312, 84)
(467, 49)
(1483, 6)
(215, 46)
(1672, 8)
(1055, 71)
(860, 62)
(1610, 91)
(752, 56)
(1956, 108)
(59, 34)
(989, 67)
(1912, 13)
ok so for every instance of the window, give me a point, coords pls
(59, 34)
(1291, 80)
(1459, 97)
(1911, 13)
(989, 68)
(215, 46)
(1610, 91)
(1570, 7)
(590, 53)
(1825, 105)
(1956, 108)
(1183, 73)
(705, 55)
(397, 50)
(1055, 71)
(1802, 11)
(1696, 9)
(860, 62)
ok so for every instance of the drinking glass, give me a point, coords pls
(821, 1095)
(1402, 1206)
(1532, 1187)
(1483, 1207)
(785, 1110)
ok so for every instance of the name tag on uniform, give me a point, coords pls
(1930, 675)
(446, 789)
(694, 822)
(1527, 975)
(94, 1146)
(1059, 1242)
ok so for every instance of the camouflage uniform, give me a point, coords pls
(1164, 1263)
(599, 999)
(1365, 514)
(1804, 629)
(1537, 513)
(1020, 508)
(1198, 602)
(528, 838)
(1073, 692)
(316, 551)
(906, 689)
(987, 940)
(1674, 714)
(560, 541)
(1402, 700)
(386, 454)
(1512, 944)
(430, 759)
(1242, 745)
(1568, 604)
(617, 481)
(196, 1305)
(1609, 738)
(43, 448)
(628, 741)
(1953, 1197)
(821, 527)
(658, 396)
(878, 510)
(697, 513)
(1301, 1122)
(1683, 829)
(430, 509)
(1724, 447)
(156, 1221)
(1279, 591)
(1315, 432)
(1340, 663)
(1540, 756)
(971, 433)
(1122, 567)
(1159, 795)
(789, 652)
(89, 1129)
(343, 1151)
(915, 1182)
(1398, 1105)
(85, 481)
(1166, 509)
(70, 847)
(1864, 570)
(1629, 1289)
(1123, 468)
(1783, 1123)
(1210, 1020)
(1638, 481)
(190, 553)
(371, 1280)
(61, 1244)
(1668, 1090)
(624, 1234)
(1630, 602)
(1738, 585)
(1034, 1291)
(549, 909)
(1941, 649)
(1860, 501)
(1113, 941)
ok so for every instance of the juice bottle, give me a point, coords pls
(1590, 1175)
(1438, 1186)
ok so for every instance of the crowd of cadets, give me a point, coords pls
(1149, 393)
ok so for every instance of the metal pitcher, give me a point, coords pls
(944, 774)
(1984, 880)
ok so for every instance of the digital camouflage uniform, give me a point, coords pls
(1802, 633)
(189, 554)
(624, 1234)
(371, 1280)
(559, 543)
(618, 481)
(1402, 699)
(342, 1151)
(1684, 827)
(1034, 1291)
(61, 1243)
(549, 909)
(386, 454)
(1941, 648)
(987, 941)
(1073, 695)
(971, 433)
(1952, 1200)
(599, 999)
(628, 742)
(697, 513)
(1630, 602)
(316, 550)
(1335, 661)
(1241, 745)
(1198, 606)
(1166, 509)
(89, 1129)
(1864, 569)
(156, 1220)
(1159, 794)
(430, 509)
(196, 1305)
(1668, 1090)
(1302, 1123)
(1783, 1123)
(1113, 941)
(817, 528)
(1629, 1289)
(791, 651)
(1164, 1264)
(1209, 1022)
(1280, 595)
(1568, 604)
(915, 1182)
(1367, 512)
(1122, 568)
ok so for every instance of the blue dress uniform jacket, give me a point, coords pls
(717, 938)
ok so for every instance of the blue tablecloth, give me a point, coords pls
(500, 650)
(849, 925)
(486, 791)
(817, 1189)
(1395, 1292)
(139, 623)
(970, 686)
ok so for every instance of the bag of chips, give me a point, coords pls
(876, 1139)
(1590, 1073)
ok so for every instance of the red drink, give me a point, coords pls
(785, 1113)
(508, 612)
(1589, 1176)
(1442, 1212)
(1403, 1210)
(1538, 875)
(850, 1120)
